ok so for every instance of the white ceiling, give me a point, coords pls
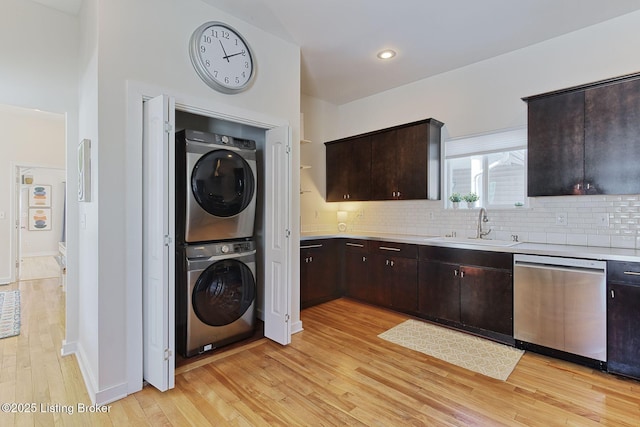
(339, 39)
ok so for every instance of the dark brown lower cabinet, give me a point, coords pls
(623, 318)
(393, 276)
(319, 272)
(439, 291)
(468, 289)
(486, 299)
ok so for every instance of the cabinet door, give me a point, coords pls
(612, 138)
(356, 275)
(379, 280)
(439, 290)
(359, 168)
(337, 171)
(349, 170)
(412, 162)
(486, 299)
(384, 165)
(555, 144)
(403, 284)
(623, 329)
(318, 274)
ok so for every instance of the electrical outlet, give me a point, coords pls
(561, 218)
(602, 219)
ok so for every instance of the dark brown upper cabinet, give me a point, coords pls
(586, 139)
(349, 170)
(398, 163)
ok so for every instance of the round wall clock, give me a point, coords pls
(222, 57)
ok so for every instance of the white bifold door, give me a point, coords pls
(158, 298)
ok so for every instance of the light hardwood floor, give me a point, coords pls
(335, 372)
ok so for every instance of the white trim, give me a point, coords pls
(137, 92)
(68, 348)
(89, 381)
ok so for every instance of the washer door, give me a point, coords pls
(222, 183)
(223, 292)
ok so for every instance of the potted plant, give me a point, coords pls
(455, 199)
(471, 199)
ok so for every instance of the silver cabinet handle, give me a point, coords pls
(632, 273)
(310, 246)
(386, 248)
(461, 273)
(455, 272)
(355, 245)
(364, 259)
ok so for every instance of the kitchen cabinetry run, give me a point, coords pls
(402, 162)
(468, 289)
(586, 139)
(623, 318)
(319, 274)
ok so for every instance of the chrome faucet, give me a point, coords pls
(482, 217)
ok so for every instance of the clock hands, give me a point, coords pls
(233, 54)
(224, 51)
(226, 56)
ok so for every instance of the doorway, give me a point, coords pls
(41, 222)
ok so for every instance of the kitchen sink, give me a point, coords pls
(474, 241)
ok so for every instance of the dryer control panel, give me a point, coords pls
(208, 250)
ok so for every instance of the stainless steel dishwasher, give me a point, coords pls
(560, 303)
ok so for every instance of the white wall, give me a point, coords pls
(487, 96)
(28, 138)
(146, 42)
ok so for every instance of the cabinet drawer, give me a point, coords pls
(403, 250)
(489, 259)
(624, 272)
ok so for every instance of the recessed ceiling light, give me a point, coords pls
(386, 54)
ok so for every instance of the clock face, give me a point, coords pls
(222, 57)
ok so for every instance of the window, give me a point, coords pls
(491, 165)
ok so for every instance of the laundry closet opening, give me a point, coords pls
(220, 217)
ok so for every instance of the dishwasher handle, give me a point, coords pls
(563, 268)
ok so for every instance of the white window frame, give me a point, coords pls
(483, 144)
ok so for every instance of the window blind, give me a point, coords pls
(504, 140)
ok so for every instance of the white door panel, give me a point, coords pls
(277, 276)
(158, 289)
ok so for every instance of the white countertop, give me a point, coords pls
(587, 252)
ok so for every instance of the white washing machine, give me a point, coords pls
(215, 295)
(216, 186)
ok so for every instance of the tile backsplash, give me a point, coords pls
(608, 221)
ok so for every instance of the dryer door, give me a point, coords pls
(223, 292)
(222, 183)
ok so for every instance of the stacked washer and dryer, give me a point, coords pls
(216, 185)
